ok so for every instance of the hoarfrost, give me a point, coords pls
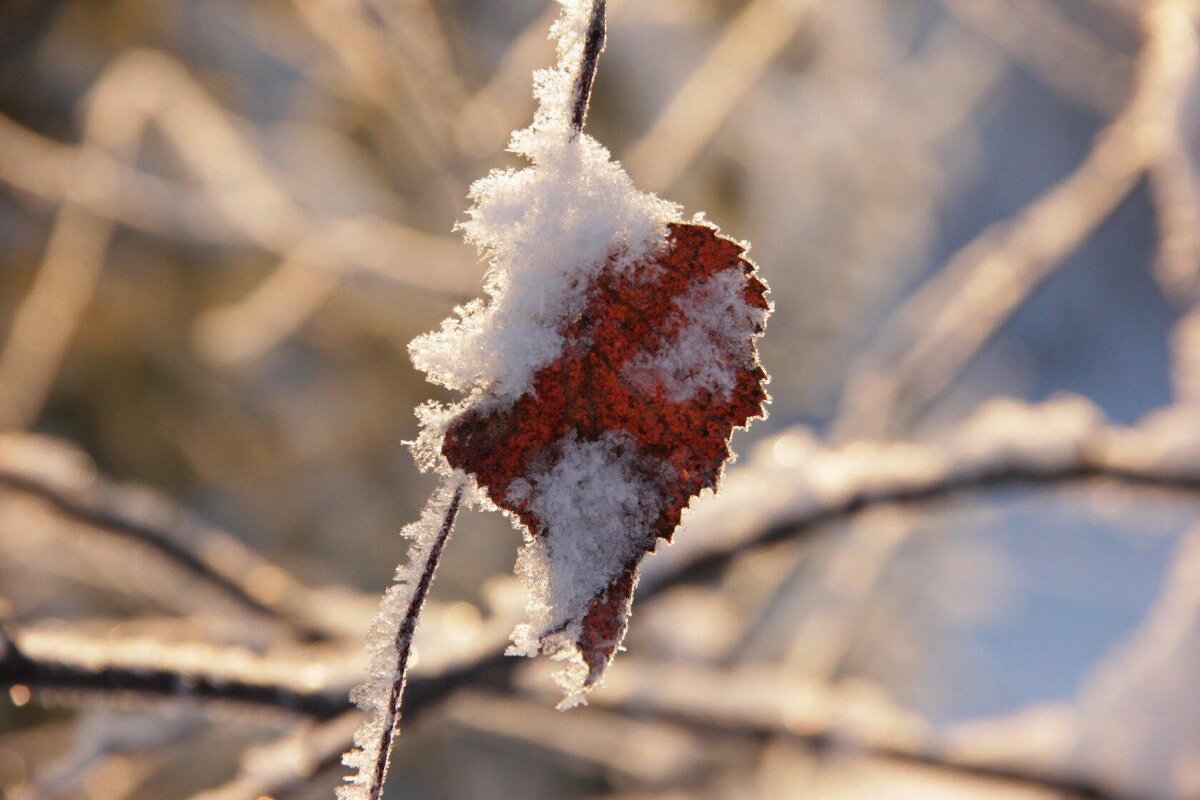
(546, 231)
(390, 634)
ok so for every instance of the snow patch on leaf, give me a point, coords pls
(715, 329)
(596, 501)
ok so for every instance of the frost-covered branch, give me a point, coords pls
(790, 487)
(285, 765)
(152, 670)
(593, 45)
(58, 477)
(759, 702)
(794, 484)
(389, 644)
(822, 718)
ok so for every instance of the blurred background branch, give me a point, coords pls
(959, 560)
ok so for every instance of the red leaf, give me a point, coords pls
(637, 363)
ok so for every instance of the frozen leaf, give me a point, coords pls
(604, 371)
(614, 437)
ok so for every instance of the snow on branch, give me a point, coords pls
(389, 644)
(794, 483)
(65, 482)
(761, 702)
(74, 665)
(790, 487)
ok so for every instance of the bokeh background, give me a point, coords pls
(222, 221)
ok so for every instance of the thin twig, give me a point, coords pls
(592, 47)
(389, 726)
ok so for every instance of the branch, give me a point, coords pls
(629, 748)
(149, 520)
(285, 766)
(942, 327)
(791, 488)
(115, 191)
(795, 485)
(716, 710)
(150, 670)
(106, 738)
(592, 47)
(241, 199)
(389, 644)
(760, 704)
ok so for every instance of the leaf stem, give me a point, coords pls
(592, 47)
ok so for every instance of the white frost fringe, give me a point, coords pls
(383, 645)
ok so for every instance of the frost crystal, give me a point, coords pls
(546, 231)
